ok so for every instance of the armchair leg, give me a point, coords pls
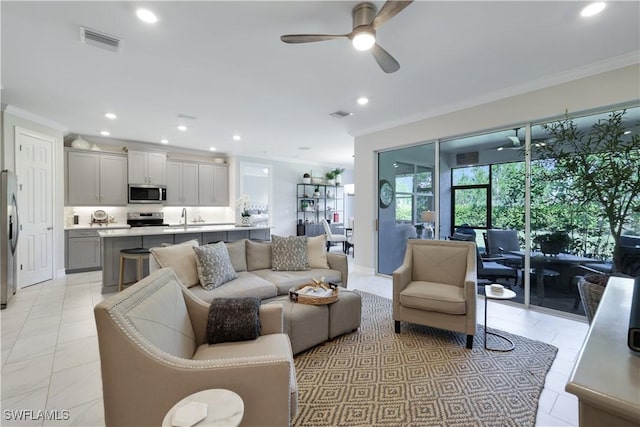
(397, 326)
(469, 342)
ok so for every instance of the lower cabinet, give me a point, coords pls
(83, 251)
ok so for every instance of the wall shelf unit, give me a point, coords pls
(317, 201)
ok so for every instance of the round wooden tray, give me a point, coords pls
(295, 296)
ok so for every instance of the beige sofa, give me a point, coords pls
(152, 355)
(252, 262)
(306, 325)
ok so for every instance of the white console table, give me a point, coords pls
(606, 377)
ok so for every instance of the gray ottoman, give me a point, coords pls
(344, 314)
(306, 325)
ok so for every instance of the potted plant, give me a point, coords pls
(552, 243)
(243, 205)
(602, 163)
(337, 174)
(330, 178)
(316, 192)
(306, 178)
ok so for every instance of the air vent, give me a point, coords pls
(340, 114)
(470, 158)
(98, 39)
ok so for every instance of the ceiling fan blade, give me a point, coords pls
(388, 11)
(384, 59)
(308, 38)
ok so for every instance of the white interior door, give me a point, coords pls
(35, 188)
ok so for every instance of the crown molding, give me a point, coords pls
(34, 118)
(610, 64)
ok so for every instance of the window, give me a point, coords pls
(414, 191)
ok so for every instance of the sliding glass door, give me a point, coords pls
(405, 191)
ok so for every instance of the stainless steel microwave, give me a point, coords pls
(139, 193)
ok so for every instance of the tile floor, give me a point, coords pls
(50, 350)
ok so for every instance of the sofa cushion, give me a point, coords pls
(214, 265)
(233, 319)
(440, 298)
(238, 255)
(258, 255)
(276, 345)
(285, 280)
(246, 285)
(289, 253)
(317, 251)
(181, 258)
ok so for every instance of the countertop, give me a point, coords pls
(607, 372)
(111, 226)
(150, 231)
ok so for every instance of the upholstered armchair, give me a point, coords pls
(436, 286)
(153, 354)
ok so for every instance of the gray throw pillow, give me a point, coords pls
(233, 319)
(289, 253)
(214, 265)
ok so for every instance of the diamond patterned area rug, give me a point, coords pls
(420, 377)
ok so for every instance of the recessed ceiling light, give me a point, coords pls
(593, 9)
(212, 148)
(105, 133)
(164, 141)
(110, 116)
(304, 148)
(236, 137)
(363, 101)
(147, 16)
(182, 127)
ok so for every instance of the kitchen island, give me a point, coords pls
(114, 240)
(606, 376)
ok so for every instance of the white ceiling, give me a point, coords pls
(223, 63)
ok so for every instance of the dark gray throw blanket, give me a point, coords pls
(233, 319)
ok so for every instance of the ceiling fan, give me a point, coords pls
(363, 34)
(513, 144)
(516, 144)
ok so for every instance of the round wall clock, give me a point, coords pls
(386, 194)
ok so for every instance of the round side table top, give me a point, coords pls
(505, 294)
(224, 408)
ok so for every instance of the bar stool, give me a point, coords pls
(137, 254)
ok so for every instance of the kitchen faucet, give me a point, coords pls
(184, 215)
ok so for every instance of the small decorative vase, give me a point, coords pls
(338, 179)
(245, 221)
(331, 182)
(306, 180)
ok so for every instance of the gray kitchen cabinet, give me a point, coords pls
(213, 184)
(83, 251)
(182, 183)
(147, 167)
(94, 179)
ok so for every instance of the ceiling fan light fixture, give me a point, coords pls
(593, 9)
(364, 40)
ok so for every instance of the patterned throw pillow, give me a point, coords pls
(289, 253)
(214, 265)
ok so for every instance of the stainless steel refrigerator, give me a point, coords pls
(9, 231)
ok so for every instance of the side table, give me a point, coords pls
(224, 408)
(504, 295)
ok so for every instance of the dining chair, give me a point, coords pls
(331, 236)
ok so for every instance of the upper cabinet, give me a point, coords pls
(213, 184)
(147, 167)
(95, 178)
(182, 183)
